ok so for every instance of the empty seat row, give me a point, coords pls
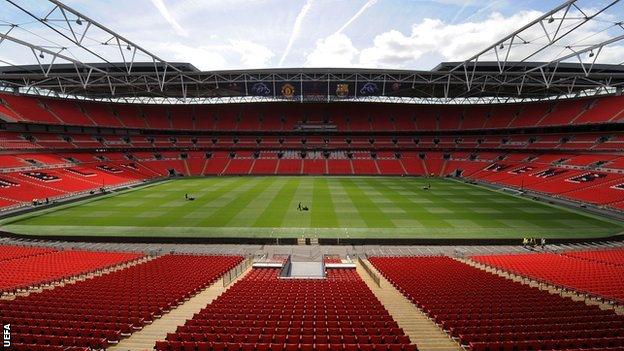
(55, 265)
(488, 312)
(341, 117)
(567, 270)
(264, 312)
(221, 346)
(101, 310)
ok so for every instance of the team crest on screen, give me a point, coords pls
(288, 91)
(342, 90)
(369, 88)
(260, 89)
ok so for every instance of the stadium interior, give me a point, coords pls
(461, 208)
(60, 148)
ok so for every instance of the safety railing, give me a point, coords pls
(374, 276)
(233, 273)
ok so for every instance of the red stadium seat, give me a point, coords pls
(337, 312)
(92, 312)
(488, 312)
(568, 270)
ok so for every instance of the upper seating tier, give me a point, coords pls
(293, 116)
(568, 270)
(52, 265)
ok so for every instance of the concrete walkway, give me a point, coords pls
(421, 330)
(146, 338)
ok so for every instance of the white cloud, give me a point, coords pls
(392, 49)
(252, 55)
(235, 54)
(455, 2)
(337, 50)
(296, 29)
(203, 57)
(160, 5)
(450, 42)
(490, 4)
(184, 8)
(435, 37)
(610, 54)
(429, 38)
(238, 34)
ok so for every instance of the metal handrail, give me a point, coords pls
(370, 272)
(233, 273)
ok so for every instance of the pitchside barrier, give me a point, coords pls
(512, 191)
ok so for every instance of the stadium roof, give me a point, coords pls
(538, 61)
(318, 84)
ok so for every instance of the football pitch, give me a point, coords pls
(338, 207)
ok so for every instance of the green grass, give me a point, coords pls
(345, 207)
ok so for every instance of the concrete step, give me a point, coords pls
(146, 338)
(421, 330)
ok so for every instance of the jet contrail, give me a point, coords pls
(160, 5)
(296, 29)
(461, 10)
(483, 9)
(368, 4)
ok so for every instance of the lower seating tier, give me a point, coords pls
(487, 312)
(95, 312)
(264, 312)
(547, 173)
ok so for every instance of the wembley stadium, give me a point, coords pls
(361, 198)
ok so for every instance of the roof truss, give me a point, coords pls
(541, 60)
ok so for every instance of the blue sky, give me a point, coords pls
(233, 34)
